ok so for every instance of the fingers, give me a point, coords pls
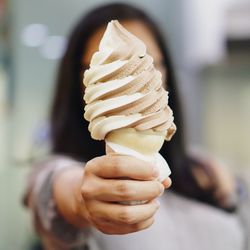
(121, 190)
(122, 214)
(110, 228)
(122, 219)
(118, 166)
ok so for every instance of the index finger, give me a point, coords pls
(122, 166)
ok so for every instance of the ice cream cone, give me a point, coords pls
(144, 145)
(126, 104)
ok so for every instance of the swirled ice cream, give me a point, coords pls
(126, 103)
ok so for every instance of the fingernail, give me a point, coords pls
(155, 171)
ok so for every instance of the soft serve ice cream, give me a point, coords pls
(126, 104)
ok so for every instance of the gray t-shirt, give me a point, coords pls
(181, 224)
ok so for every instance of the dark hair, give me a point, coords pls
(69, 129)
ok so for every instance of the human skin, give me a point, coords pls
(88, 197)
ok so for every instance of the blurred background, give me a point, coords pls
(210, 43)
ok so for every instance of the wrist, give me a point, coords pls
(68, 199)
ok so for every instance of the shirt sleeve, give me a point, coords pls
(55, 232)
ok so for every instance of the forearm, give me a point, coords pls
(68, 199)
(53, 228)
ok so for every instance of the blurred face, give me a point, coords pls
(139, 29)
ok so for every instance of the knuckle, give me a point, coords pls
(122, 187)
(124, 191)
(86, 192)
(115, 162)
(127, 216)
(116, 169)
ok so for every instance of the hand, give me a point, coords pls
(102, 187)
(211, 173)
(225, 185)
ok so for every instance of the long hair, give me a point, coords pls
(69, 130)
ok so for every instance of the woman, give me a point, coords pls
(75, 208)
